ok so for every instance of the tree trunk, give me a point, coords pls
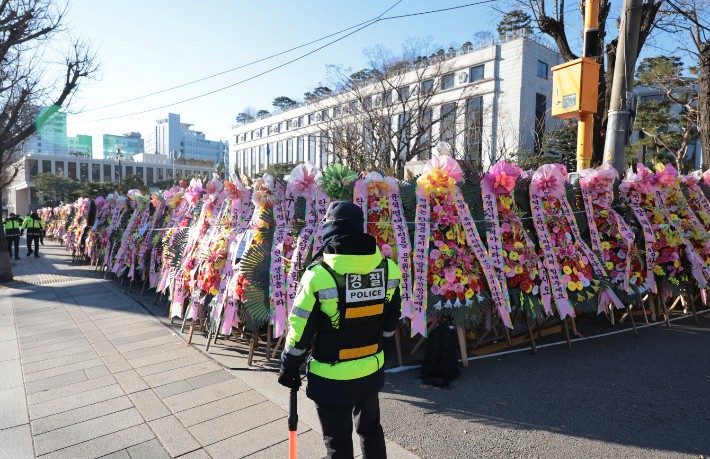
(704, 101)
(5, 266)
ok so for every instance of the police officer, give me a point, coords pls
(34, 226)
(12, 234)
(345, 311)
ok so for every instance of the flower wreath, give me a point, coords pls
(452, 270)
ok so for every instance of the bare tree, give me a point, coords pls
(396, 109)
(688, 17)
(30, 31)
(550, 16)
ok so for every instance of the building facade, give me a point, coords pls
(508, 83)
(51, 139)
(23, 198)
(80, 146)
(170, 134)
(131, 144)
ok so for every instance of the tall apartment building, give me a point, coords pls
(170, 134)
(51, 139)
(131, 144)
(508, 84)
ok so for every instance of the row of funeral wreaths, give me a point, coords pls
(534, 242)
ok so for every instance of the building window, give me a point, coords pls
(312, 148)
(236, 139)
(448, 124)
(59, 168)
(474, 128)
(84, 172)
(253, 161)
(541, 69)
(403, 133)
(288, 125)
(425, 139)
(540, 109)
(139, 171)
(289, 150)
(427, 87)
(96, 172)
(300, 149)
(149, 175)
(268, 130)
(33, 167)
(107, 172)
(279, 152)
(169, 174)
(353, 107)
(447, 81)
(262, 156)
(301, 121)
(71, 170)
(251, 137)
(160, 174)
(34, 196)
(323, 151)
(178, 173)
(403, 93)
(311, 118)
(261, 132)
(129, 170)
(46, 166)
(368, 103)
(324, 115)
(476, 73)
(337, 112)
(187, 172)
(387, 98)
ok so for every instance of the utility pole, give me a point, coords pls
(622, 108)
(575, 87)
(585, 125)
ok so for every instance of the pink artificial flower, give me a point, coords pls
(435, 289)
(434, 254)
(386, 250)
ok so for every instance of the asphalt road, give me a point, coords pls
(612, 397)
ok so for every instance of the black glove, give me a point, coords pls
(387, 342)
(290, 377)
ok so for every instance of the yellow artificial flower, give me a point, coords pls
(606, 245)
(469, 293)
(435, 278)
(609, 265)
(658, 270)
(464, 280)
(458, 272)
(513, 256)
(443, 248)
(443, 283)
(384, 203)
(676, 263)
(580, 286)
(572, 286)
(436, 181)
(574, 270)
(506, 269)
(439, 263)
(567, 270)
(518, 245)
(504, 253)
(580, 298)
(449, 234)
(518, 270)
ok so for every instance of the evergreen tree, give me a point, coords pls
(262, 114)
(281, 102)
(515, 22)
(667, 120)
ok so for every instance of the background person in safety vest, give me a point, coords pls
(12, 234)
(34, 226)
(346, 310)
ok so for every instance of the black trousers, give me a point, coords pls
(337, 424)
(13, 240)
(30, 239)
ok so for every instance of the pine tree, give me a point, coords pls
(515, 22)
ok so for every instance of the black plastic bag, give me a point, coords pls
(441, 364)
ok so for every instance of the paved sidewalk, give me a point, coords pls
(87, 372)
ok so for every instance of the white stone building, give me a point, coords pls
(170, 134)
(509, 80)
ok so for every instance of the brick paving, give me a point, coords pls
(88, 371)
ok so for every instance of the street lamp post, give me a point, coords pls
(175, 157)
(119, 157)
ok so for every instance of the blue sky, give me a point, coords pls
(155, 44)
